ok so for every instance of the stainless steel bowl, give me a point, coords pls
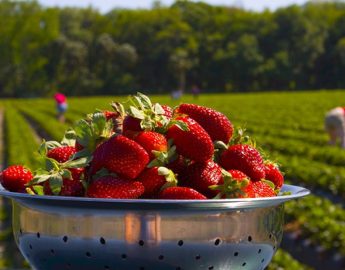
(102, 234)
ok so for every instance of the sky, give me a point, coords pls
(106, 5)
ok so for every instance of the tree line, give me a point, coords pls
(217, 48)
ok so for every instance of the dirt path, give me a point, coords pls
(37, 132)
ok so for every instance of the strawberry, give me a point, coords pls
(151, 141)
(131, 124)
(177, 165)
(180, 193)
(244, 158)
(154, 179)
(168, 111)
(216, 124)
(120, 155)
(110, 115)
(201, 175)
(15, 177)
(193, 143)
(262, 189)
(70, 187)
(274, 175)
(62, 154)
(234, 184)
(114, 187)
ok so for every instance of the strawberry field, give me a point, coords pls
(287, 126)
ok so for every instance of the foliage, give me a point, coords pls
(84, 52)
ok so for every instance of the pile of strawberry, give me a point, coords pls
(150, 151)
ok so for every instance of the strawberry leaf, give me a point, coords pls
(52, 144)
(78, 163)
(98, 122)
(66, 174)
(271, 184)
(43, 149)
(39, 179)
(136, 113)
(55, 182)
(145, 100)
(69, 137)
(39, 190)
(158, 109)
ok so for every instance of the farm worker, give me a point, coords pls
(335, 125)
(61, 106)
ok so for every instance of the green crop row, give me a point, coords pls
(43, 121)
(20, 143)
(283, 261)
(319, 220)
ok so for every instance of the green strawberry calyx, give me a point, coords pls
(231, 188)
(169, 177)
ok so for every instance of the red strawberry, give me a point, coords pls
(244, 158)
(262, 189)
(195, 143)
(154, 179)
(62, 154)
(217, 125)
(120, 155)
(168, 111)
(201, 175)
(15, 177)
(177, 165)
(131, 124)
(274, 175)
(180, 193)
(246, 190)
(151, 141)
(70, 187)
(114, 187)
(234, 184)
(110, 115)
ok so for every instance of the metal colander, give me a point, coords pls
(102, 234)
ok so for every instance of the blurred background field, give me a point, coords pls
(261, 68)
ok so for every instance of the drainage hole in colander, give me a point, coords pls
(52, 251)
(210, 268)
(38, 235)
(262, 261)
(141, 243)
(180, 243)
(160, 257)
(197, 257)
(65, 238)
(30, 246)
(106, 267)
(217, 242)
(102, 240)
(236, 254)
(259, 251)
(250, 238)
(88, 254)
(244, 264)
(124, 256)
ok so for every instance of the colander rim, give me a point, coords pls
(62, 201)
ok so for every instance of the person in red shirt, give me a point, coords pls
(335, 126)
(61, 106)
